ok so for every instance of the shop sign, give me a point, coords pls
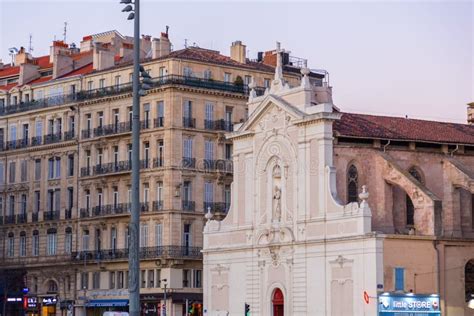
(31, 302)
(409, 304)
(49, 300)
(14, 299)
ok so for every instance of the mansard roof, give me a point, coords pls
(405, 129)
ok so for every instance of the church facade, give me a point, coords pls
(333, 212)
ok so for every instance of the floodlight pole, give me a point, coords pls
(133, 257)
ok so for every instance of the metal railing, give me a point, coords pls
(216, 207)
(219, 125)
(127, 88)
(188, 162)
(159, 122)
(158, 162)
(189, 122)
(10, 219)
(51, 216)
(52, 138)
(35, 217)
(69, 135)
(21, 218)
(113, 167)
(17, 144)
(68, 213)
(188, 205)
(222, 165)
(157, 206)
(116, 128)
(174, 252)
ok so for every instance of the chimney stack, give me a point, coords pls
(161, 47)
(22, 57)
(238, 52)
(102, 57)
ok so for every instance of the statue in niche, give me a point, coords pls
(276, 193)
(277, 203)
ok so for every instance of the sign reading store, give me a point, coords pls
(49, 300)
(408, 304)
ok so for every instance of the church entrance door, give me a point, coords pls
(277, 303)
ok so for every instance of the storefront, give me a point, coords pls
(31, 304)
(185, 304)
(391, 304)
(98, 307)
(48, 305)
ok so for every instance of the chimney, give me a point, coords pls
(22, 57)
(103, 57)
(160, 47)
(63, 63)
(1, 64)
(86, 44)
(28, 72)
(237, 52)
(57, 47)
(270, 58)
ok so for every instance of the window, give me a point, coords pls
(58, 168)
(112, 280)
(227, 77)
(160, 109)
(26, 134)
(127, 237)
(187, 72)
(208, 195)
(266, 83)
(116, 115)
(187, 190)
(22, 244)
(68, 240)
(146, 116)
(23, 205)
(159, 191)
(88, 199)
(85, 240)
(88, 122)
(143, 278)
(151, 278)
(209, 116)
(399, 279)
(113, 238)
(101, 83)
(90, 85)
(11, 206)
(2, 174)
(37, 169)
(146, 193)
(35, 244)
(146, 153)
(98, 239)
(51, 242)
(70, 165)
(162, 71)
(143, 235)
(37, 202)
(207, 74)
(352, 182)
(187, 109)
(187, 235)
(158, 235)
(52, 286)
(115, 196)
(96, 280)
(100, 119)
(209, 150)
(51, 168)
(12, 170)
(197, 278)
(186, 277)
(24, 171)
(247, 80)
(161, 153)
(227, 197)
(27, 97)
(100, 156)
(120, 282)
(469, 279)
(11, 245)
(117, 81)
(188, 147)
(85, 280)
(228, 151)
(39, 129)
(72, 125)
(70, 198)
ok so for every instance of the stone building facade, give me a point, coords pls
(65, 167)
(333, 213)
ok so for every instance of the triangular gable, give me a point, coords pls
(264, 105)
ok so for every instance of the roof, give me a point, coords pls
(40, 79)
(8, 86)
(9, 71)
(397, 128)
(86, 69)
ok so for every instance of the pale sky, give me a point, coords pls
(412, 58)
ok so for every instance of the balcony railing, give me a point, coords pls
(51, 216)
(188, 162)
(84, 212)
(86, 133)
(69, 135)
(21, 218)
(17, 144)
(127, 88)
(189, 122)
(159, 122)
(52, 138)
(113, 167)
(219, 125)
(68, 213)
(144, 207)
(188, 205)
(216, 207)
(36, 141)
(222, 165)
(35, 217)
(174, 252)
(106, 210)
(157, 206)
(158, 162)
(10, 219)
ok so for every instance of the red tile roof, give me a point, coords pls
(41, 79)
(43, 62)
(397, 128)
(8, 86)
(84, 70)
(9, 71)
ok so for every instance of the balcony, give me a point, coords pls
(51, 216)
(35, 217)
(68, 213)
(1, 220)
(218, 125)
(222, 165)
(158, 162)
(86, 133)
(216, 207)
(17, 144)
(85, 171)
(157, 206)
(21, 218)
(52, 138)
(69, 135)
(106, 210)
(36, 141)
(80, 96)
(188, 205)
(188, 162)
(113, 167)
(172, 252)
(189, 122)
(84, 212)
(10, 219)
(159, 122)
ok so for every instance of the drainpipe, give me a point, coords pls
(386, 145)
(438, 277)
(454, 150)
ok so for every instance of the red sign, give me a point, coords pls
(366, 297)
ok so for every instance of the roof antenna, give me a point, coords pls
(30, 46)
(185, 43)
(65, 32)
(167, 28)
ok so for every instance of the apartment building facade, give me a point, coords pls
(65, 166)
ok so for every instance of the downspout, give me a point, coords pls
(386, 145)
(454, 150)
(438, 276)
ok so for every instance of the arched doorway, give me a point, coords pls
(278, 303)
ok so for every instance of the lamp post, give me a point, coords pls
(134, 260)
(164, 297)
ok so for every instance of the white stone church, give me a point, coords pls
(288, 246)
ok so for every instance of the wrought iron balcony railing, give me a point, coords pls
(222, 165)
(69, 135)
(188, 205)
(68, 213)
(10, 219)
(219, 125)
(174, 252)
(157, 206)
(158, 162)
(21, 218)
(188, 162)
(34, 217)
(17, 144)
(36, 141)
(159, 122)
(127, 88)
(216, 207)
(51, 216)
(116, 128)
(189, 122)
(113, 167)
(52, 138)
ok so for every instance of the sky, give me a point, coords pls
(399, 58)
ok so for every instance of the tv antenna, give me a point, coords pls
(185, 43)
(30, 46)
(65, 32)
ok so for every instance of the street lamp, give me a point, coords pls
(164, 296)
(470, 302)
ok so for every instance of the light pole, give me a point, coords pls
(133, 257)
(164, 297)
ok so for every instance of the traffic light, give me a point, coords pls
(247, 309)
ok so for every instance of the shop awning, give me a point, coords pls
(107, 303)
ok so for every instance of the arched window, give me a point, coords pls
(22, 244)
(278, 303)
(469, 280)
(352, 184)
(410, 215)
(51, 242)
(52, 286)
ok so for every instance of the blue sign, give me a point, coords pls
(408, 305)
(26, 290)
